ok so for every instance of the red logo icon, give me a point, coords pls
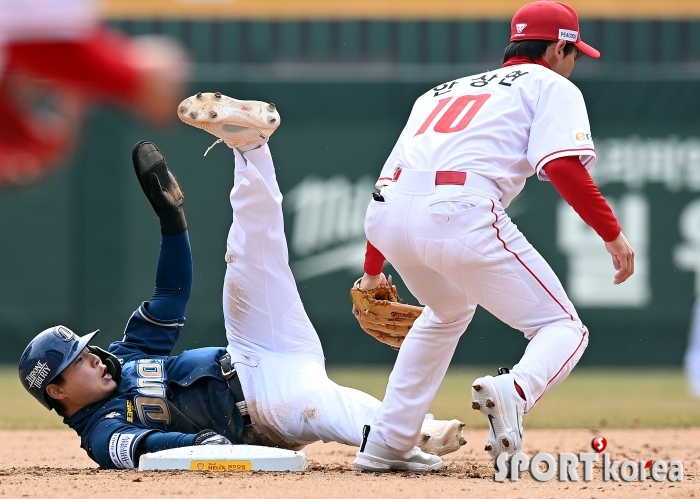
(599, 444)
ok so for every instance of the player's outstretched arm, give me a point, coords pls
(570, 178)
(622, 257)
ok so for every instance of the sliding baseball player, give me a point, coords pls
(267, 387)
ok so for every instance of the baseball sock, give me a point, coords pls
(173, 278)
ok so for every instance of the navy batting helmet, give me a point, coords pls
(46, 356)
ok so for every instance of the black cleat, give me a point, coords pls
(160, 187)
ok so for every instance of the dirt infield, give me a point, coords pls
(49, 463)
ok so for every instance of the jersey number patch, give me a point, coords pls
(448, 121)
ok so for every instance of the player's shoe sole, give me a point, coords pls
(148, 161)
(379, 460)
(440, 437)
(239, 123)
(496, 398)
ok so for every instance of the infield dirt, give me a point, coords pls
(50, 463)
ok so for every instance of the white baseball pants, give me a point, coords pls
(691, 361)
(275, 349)
(455, 248)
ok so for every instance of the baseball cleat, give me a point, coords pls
(497, 399)
(441, 437)
(239, 123)
(160, 186)
(380, 459)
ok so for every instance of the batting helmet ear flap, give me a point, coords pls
(114, 368)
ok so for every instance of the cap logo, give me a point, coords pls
(568, 35)
(520, 27)
(38, 375)
(63, 333)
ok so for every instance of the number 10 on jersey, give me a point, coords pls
(446, 123)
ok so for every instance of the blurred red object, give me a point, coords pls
(145, 75)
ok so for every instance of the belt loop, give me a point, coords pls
(227, 369)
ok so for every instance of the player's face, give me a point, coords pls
(568, 63)
(560, 63)
(86, 381)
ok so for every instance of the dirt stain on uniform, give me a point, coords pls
(309, 414)
(238, 300)
(230, 258)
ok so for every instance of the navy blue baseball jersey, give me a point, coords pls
(161, 402)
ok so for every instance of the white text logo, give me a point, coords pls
(568, 35)
(38, 375)
(566, 468)
(328, 231)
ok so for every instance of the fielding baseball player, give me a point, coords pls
(268, 387)
(465, 153)
(691, 360)
(63, 45)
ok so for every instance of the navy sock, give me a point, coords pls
(173, 278)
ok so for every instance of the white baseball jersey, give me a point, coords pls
(46, 19)
(505, 125)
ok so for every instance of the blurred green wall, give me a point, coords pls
(80, 247)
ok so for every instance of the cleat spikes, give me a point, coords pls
(271, 107)
(505, 442)
(462, 441)
(490, 404)
(237, 123)
(488, 448)
(476, 406)
(477, 388)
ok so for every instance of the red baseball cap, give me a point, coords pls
(549, 20)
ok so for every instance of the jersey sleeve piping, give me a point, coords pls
(587, 151)
(157, 322)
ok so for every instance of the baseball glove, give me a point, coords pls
(382, 314)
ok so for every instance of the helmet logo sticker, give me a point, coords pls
(63, 333)
(38, 374)
(520, 27)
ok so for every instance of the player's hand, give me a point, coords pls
(369, 282)
(372, 281)
(210, 437)
(622, 258)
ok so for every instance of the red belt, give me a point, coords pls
(442, 177)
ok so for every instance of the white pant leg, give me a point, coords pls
(262, 308)
(691, 362)
(423, 358)
(480, 251)
(289, 395)
(295, 399)
(557, 336)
